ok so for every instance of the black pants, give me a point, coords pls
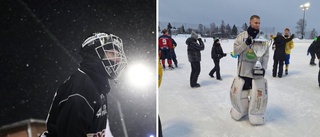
(319, 74)
(195, 71)
(160, 128)
(275, 66)
(247, 83)
(174, 57)
(313, 57)
(216, 68)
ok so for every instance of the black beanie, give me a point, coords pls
(215, 41)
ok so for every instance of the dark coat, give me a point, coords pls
(280, 45)
(216, 51)
(311, 48)
(194, 49)
(317, 47)
(80, 104)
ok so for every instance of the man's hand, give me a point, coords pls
(249, 40)
(292, 36)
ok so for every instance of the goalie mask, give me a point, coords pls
(109, 49)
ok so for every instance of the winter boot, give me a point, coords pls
(312, 64)
(286, 70)
(170, 67)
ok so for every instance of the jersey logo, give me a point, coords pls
(102, 111)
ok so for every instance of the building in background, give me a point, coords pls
(25, 128)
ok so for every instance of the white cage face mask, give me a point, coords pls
(110, 52)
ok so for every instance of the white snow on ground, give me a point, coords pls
(293, 107)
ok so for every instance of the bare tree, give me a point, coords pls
(313, 34)
(223, 28)
(213, 27)
(301, 25)
(201, 29)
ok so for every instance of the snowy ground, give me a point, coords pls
(293, 109)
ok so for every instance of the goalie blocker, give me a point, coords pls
(252, 102)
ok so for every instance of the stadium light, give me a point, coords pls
(304, 7)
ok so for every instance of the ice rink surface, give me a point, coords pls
(293, 104)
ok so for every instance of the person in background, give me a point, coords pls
(165, 49)
(194, 57)
(159, 83)
(173, 53)
(279, 53)
(317, 51)
(311, 50)
(289, 46)
(216, 55)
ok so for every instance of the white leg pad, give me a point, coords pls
(239, 99)
(258, 101)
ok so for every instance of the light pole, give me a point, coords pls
(304, 7)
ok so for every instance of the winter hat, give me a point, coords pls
(287, 29)
(194, 35)
(215, 41)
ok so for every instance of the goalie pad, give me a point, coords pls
(239, 99)
(258, 101)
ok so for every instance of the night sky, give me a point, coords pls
(39, 44)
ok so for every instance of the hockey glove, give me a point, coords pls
(233, 55)
(292, 36)
(249, 40)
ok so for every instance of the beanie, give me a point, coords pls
(194, 35)
(215, 41)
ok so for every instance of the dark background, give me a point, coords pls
(39, 44)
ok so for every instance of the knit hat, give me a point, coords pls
(287, 29)
(215, 41)
(194, 35)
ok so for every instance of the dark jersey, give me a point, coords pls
(79, 109)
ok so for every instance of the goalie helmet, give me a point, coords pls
(107, 48)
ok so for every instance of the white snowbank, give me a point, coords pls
(293, 109)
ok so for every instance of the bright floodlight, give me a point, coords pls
(305, 6)
(139, 75)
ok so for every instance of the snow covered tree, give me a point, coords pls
(234, 30)
(189, 30)
(244, 27)
(201, 29)
(223, 28)
(301, 25)
(313, 34)
(228, 30)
